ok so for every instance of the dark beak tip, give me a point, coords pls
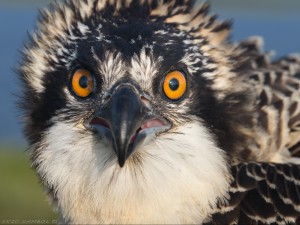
(121, 162)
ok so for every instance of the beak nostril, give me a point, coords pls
(106, 97)
(145, 99)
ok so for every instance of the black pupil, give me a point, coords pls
(174, 84)
(84, 82)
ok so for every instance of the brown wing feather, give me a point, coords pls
(277, 87)
(262, 193)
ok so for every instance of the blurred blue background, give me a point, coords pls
(277, 21)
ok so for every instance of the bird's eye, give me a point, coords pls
(174, 85)
(83, 83)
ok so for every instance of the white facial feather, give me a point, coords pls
(143, 67)
(112, 67)
(177, 178)
(82, 28)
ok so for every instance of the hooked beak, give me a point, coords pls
(127, 122)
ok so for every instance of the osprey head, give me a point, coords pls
(128, 109)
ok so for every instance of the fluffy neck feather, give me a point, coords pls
(178, 178)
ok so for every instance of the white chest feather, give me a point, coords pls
(177, 178)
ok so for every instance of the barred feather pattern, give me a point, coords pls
(268, 191)
(277, 89)
(262, 193)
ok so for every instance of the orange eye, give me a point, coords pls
(174, 85)
(82, 83)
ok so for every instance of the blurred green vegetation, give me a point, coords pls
(21, 195)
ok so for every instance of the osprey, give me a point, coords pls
(145, 112)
